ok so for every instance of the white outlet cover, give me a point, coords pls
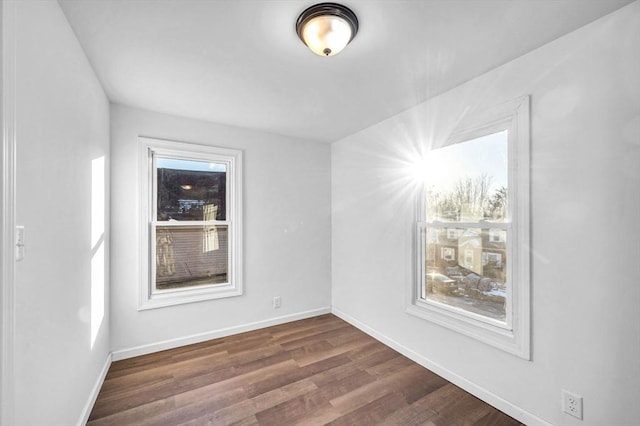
(19, 241)
(572, 404)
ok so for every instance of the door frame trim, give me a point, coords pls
(8, 212)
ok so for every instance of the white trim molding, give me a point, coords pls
(512, 335)
(474, 389)
(93, 396)
(150, 150)
(7, 213)
(215, 334)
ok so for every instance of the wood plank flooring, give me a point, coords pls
(311, 372)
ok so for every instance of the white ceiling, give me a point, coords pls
(239, 62)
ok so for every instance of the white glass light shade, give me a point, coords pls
(326, 28)
(326, 35)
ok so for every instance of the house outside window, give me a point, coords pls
(191, 223)
(447, 253)
(476, 196)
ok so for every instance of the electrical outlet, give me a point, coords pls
(572, 404)
(277, 302)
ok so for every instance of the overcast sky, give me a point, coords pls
(199, 166)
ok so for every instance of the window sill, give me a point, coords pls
(180, 297)
(496, 336)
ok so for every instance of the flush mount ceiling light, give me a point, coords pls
(326, 28)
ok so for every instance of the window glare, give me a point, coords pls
(199, 166)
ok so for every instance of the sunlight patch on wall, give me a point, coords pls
(97, 201)
(97, 292)
(97, 246)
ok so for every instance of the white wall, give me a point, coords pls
(287, 230)
(62, 125)
(585, 231)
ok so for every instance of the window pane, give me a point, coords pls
(466, 268)
(190, 190)
(467, 182)
(188, 256)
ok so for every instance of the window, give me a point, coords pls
(496, 236)
(191, 223)
(452, 233)
(492, 259)
(447, 253)
(475, 203)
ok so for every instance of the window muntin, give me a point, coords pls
(191, 223)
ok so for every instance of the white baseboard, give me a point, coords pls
(86, 412)
(214, 334)
(488, 397)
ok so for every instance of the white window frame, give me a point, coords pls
(149, 296)
(513, 335)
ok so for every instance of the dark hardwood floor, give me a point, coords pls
(311, 372)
